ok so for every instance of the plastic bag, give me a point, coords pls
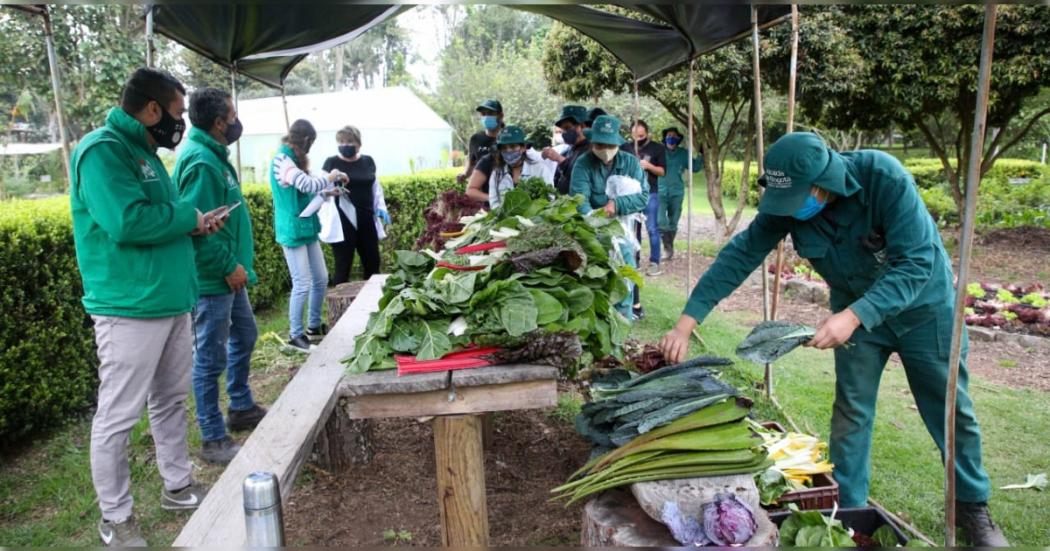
(331, 226)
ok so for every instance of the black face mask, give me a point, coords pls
(233, 131)
(348, 151)
(570, 136)
(168, 132)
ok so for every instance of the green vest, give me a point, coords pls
(288, 202)
(129, 225)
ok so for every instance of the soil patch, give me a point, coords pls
(531, 453)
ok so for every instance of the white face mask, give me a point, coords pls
(606, 155)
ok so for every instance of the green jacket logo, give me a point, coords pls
(231, 182)
(147, 171)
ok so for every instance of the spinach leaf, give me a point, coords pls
(548, 309)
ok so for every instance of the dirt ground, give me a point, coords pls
(530, 454)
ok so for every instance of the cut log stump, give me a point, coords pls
(614, 519)
(344, 442)
(338, 299)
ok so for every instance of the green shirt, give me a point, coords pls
(589, 176)
(877, 247)
(677, 164)
(205, 177)
(129, 226)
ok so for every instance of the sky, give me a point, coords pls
(428, 32)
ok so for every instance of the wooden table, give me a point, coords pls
(455, 399)
(284, 439)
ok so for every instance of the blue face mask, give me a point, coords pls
(490, 122)
(810, 208)
(672, 141)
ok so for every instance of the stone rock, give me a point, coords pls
(614, 519)
(810, 291)
(982, 334)
(691, 494)
(1034, 342)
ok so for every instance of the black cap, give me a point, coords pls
(595, 113)
(490, 105)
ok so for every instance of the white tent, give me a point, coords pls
(397, 129)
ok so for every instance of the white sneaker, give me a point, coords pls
(653, 270)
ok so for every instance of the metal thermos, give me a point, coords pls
(262, 510)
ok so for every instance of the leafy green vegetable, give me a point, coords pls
(771, 486)
(770, 340)
(812, 529)
(885, 536)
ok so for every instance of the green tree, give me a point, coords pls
(579, 68)
(921, 72)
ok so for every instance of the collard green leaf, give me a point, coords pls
(433, 339)
(548, 309)
(458, 288)
(403, 338)
(770, 340)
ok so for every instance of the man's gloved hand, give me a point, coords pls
(384, 216)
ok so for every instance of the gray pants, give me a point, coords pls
(142, 362)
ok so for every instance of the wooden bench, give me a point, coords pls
(283, 440)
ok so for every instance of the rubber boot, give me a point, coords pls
(974, 520)
(668, 241)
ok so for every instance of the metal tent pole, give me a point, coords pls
(236, 105)
(149, 36)
(56, 88)
(973, 175)
(761, 153)
(284, 102)
(792, 71)
(689, 196)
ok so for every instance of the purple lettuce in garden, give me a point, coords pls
(728, 521)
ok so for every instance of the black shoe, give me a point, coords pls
(219, 452)
(317, 333)
(668, 247)
(974, 520)
(639, 312)
(245, 419)
(298, 344)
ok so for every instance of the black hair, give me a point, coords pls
(670, 129)
(208, 104)
(300, 137)
(145, 85)
(641, 123)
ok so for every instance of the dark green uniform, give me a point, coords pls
(882, 257)
(672, 188)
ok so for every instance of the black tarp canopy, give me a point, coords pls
(265, 41)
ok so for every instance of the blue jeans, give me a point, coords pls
(652, 226)
(224, 337)
(309, 279)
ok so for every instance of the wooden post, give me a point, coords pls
(150, 50)
(461, 481)
(792, 71)
(236, 105)
(56, 88)
(284, 102)
(973, 175)
(689, 196)
(760, 155)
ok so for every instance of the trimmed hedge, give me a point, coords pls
(47, 351)
(929, 173)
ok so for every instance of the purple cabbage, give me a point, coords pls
(728, 521)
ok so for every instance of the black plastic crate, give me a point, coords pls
(864, 520)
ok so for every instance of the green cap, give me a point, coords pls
(511, 135)
(794, 164)
(491, 105)
(606, 130)
(577, 113)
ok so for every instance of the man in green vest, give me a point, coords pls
(858, 218)
(223, 321)
(132, 236)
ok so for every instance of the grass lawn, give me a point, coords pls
(46, 496)
(701, 205)
(907, 477)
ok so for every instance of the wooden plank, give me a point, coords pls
(282, 441)
(460, 465)
(457, 401)
(387, 382)
(502, 374)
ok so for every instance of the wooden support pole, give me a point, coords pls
(792, 72)
(236, 105)
(689, 196)
(760, 151)
(973, 176)
(56, 89)
(460, 465)
(284, 101)
(150, 50)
